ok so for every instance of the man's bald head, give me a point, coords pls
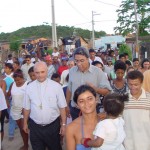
(40, 70)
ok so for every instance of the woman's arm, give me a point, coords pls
(70, 138)
(92, 143)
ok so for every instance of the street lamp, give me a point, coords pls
(93, 35)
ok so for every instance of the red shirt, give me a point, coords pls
(61, 69)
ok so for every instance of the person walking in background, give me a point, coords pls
(45, 107)
(84, 73)
(136, 114)
(93, 57)
(26, 67)
(17, 91)
(145, 65)
(119, 84)
(51, 69)
(136, 64)
(146, 81)
(64, 74)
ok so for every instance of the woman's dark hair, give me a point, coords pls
(114, 103)
(16, 62)
(110, 52)
(18, 73)
(144, 60)
(135, 75)
(135, 59)
(119, 65)
(10, 66)
(31, 70)
(55, 75)
(128, 63)
(82, 89)
(94, 63)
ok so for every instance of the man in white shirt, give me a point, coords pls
(26, 67)
(64, 74)
(93, 56)
(45, 107)
(2, 101)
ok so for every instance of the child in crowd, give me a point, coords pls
(109, 133)
(56, 77)
(32, 74)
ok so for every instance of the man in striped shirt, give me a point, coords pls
(137, 114)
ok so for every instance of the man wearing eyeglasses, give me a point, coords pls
(84, 73)
(26, 67)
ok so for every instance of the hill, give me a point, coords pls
(46, 32)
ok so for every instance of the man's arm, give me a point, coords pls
(63, 121)
(68, 98)
(25, 120)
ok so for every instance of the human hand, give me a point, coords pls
(68, 112)
(62, 130)
(25, 128)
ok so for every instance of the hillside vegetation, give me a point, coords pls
(46, 32)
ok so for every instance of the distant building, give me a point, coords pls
(109, 42)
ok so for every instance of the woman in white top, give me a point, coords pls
(17, 91)
(109, 133)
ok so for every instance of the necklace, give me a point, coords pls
(41, 95)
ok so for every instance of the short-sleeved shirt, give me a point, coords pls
(137, 122)
(2, 101)
(93, 75)
(25, 69)
(44, 99)
(112, 131)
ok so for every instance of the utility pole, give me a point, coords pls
(93, 33)
(93, 36)
(54, 32)
(137, 30)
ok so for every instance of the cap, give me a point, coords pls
(109, 59)
(48, 57)
(64, 58)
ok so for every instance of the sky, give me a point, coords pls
(15, 14)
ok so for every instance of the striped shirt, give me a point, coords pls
(137, 122)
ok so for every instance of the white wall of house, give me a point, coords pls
(106, 40)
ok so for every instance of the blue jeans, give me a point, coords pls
(12, 124)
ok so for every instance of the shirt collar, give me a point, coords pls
(143, 95)
(89, 69)
(41, 83)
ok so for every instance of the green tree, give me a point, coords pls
(14, 46)
(124, 48)
(126, 17)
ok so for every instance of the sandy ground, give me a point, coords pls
(16, 143)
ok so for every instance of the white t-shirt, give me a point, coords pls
(112, 131)
(96, 59)
(2, 101)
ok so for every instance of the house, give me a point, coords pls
(109, 42)
(72, 42)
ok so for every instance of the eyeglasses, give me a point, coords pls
(28, 60)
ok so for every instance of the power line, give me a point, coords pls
(76, 10)
(106, 3)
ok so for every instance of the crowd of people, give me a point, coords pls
(86, 101)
